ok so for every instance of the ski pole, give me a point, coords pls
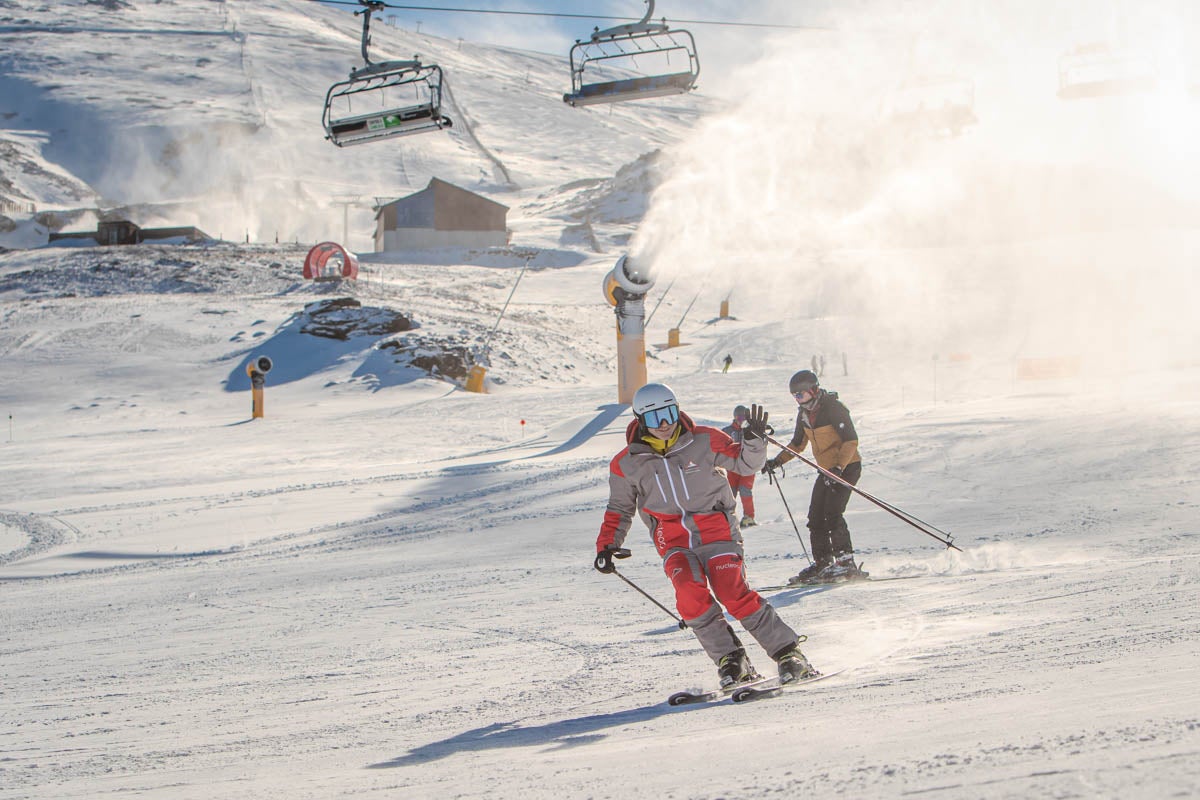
(604, 565)
(771, 477)
(682, 624)
(918, 523)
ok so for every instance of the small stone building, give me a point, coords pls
(122, 231)
(440, 215)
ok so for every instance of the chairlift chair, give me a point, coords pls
(1098, 70)
(383, 85)
(622, 45)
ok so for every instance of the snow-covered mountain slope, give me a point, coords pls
(215, 108)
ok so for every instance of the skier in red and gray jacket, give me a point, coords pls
(669, 475)
(742, 485)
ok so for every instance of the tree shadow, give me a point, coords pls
(561, 734)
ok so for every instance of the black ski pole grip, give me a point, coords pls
(603, 562)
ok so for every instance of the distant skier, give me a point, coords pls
(728, 363)
(742, 485)
(668, 474)
(825, 423)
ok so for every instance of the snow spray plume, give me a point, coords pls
(1023, 225)
(216, 178)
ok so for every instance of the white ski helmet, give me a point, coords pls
(654, 404)
(653, 396)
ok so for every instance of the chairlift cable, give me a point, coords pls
(718, 23)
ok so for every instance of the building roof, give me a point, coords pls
(437, 185)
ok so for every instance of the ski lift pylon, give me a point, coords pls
(383, 82)
(625, 42)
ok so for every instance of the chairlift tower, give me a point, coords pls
(345, 201)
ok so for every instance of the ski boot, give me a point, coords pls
(843, 568)
(735, 668)
(747, 522)
(793, 666)
(809, 574)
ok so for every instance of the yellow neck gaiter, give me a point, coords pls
(661, 446)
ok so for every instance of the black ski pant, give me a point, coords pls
(826, 515)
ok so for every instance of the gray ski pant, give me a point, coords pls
(716, 635)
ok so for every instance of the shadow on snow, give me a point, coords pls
(296, 356)
(561, 734)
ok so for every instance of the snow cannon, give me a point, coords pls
(632, 276)
(257, 369)
(625, 288)
(261, 364)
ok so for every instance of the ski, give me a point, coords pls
(773, 688)
(860, 578)
(810, 584)
(687, 698)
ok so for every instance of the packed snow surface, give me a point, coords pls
(385, 584)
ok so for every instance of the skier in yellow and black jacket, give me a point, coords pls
(824, 422)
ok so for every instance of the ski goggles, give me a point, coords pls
(658, 416)
(805, 396)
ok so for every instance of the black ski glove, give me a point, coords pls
(830, 481)
(755, 426)
(603, 562)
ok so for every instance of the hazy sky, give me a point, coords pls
(548, 34)
(721, 47)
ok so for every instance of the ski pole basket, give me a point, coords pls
(605, 67)
(385, 99)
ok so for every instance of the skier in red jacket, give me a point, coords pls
(742, 485)
(669, 475)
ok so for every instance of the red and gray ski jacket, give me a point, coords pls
(684, 493)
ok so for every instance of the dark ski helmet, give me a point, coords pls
(806, 381)
(741, 411)
(802, 381)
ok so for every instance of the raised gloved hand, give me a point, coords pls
(603, 562)
(755, 426)
(830, 481)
